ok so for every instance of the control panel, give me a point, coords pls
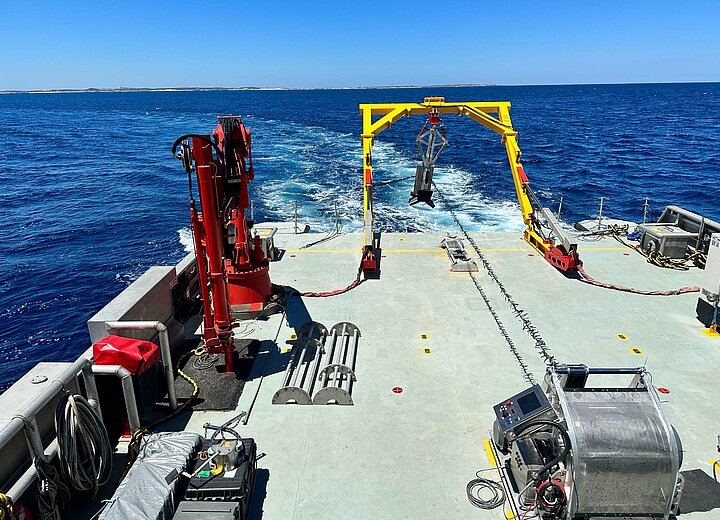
(521, 408)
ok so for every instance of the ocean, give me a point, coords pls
(91, 195)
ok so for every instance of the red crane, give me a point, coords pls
(232, 267)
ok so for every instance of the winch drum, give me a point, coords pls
(626, 456)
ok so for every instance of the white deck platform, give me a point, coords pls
(410, 455)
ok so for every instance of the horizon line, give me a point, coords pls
(366, 87)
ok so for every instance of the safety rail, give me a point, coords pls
(60, 377)
(165, 354)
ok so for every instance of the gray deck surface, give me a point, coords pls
(410, 455)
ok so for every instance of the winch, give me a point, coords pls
(569, 450)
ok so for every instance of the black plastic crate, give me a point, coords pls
(220, 487)
(207, 510)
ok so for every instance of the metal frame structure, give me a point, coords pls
(563, 256)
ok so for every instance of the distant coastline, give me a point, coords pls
(372, 87)
(201, 89)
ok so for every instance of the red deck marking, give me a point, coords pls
(397, 390)
(255, 306)
(663, 390)
(530, 254)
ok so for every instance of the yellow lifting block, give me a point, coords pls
(636, 351)
(424, 335)
(622, 337)
(427, 351)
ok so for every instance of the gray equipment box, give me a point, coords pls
(669, 239)
(267, 241)
(709, 297)
(207, 510)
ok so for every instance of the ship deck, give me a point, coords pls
(411, 454)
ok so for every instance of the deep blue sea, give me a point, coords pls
(91, 195)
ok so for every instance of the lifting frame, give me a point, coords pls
(563, 256)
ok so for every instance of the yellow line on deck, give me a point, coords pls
(438, 250)
(490, 454)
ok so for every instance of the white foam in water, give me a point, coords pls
(317, 167)
(186, 239)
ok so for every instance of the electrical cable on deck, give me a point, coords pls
(519, 313)
(477, 485)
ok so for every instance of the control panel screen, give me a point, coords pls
(528, 403)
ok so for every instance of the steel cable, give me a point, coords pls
(517, 311)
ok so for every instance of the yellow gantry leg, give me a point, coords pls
(478, 111)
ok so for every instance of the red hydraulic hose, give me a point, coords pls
(358, 280)
(673, 292)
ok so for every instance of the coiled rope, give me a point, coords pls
(84, 451)
(654, 257)
(7, 511)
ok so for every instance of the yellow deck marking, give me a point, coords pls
(710, 334)
(427, 351)
(292, 337)
(286, 350)
(636, 351)
(490, 454)
(424, 335)
(438, 250)
(622, 337)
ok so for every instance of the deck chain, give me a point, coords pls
(527, 374)
(519, 313)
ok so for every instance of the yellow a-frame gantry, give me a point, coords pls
(478, 111)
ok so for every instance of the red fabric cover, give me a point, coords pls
(134, 355)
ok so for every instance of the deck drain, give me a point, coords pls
(427, 351)
(397, 390)
(424, 335)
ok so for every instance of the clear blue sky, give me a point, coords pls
(314, 43)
